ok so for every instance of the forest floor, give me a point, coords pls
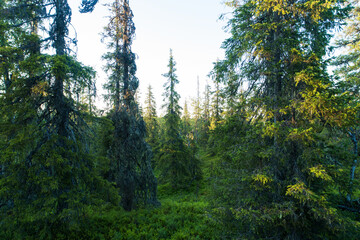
(183, 214)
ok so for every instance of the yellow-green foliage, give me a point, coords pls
(303, 135)
(300, 191)
(261, 181)
(319, 172)
(313, 8)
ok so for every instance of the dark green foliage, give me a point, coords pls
(178, 165)
(171, 97)
(186, 127)
(48, 178)
(55, 191)
(130, 155)
(88, 5)
(347, 73)
(152, 125)
(254, 201)
(204, 121)
(131, 167)
(217, 105)
(275, 177)
(278, 146)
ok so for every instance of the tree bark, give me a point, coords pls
(61, 109)
(353, 135)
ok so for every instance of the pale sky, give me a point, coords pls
(190, 27)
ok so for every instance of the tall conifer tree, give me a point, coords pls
(216, 106)
(150, 118)
(205, 118)
(348, 72)
(48, 171)
(279, 50)
(131, 155)
(186, 130)
(152, 125)
(177, 165)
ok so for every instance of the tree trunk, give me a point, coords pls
(353, 136)
(8, 81)
(60, 106)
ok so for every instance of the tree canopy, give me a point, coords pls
(268, 151)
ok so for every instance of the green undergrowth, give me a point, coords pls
(179, 217)
(183, 214)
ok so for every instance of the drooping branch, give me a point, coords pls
(88, 6)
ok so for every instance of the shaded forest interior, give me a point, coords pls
(268, 151)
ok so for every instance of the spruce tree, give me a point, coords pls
(150, 118)
(186, 128)
(196, 103)
(216, 110)
(130, 155)
(206, 104)
(205, 118)
(177, 165)
(48, 178)
(347, 71)
(216, 106)
(270, 160)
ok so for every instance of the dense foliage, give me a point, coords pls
(177, 163)
(269, 151)
(282, 174)
(47, 178)
(130, 155)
